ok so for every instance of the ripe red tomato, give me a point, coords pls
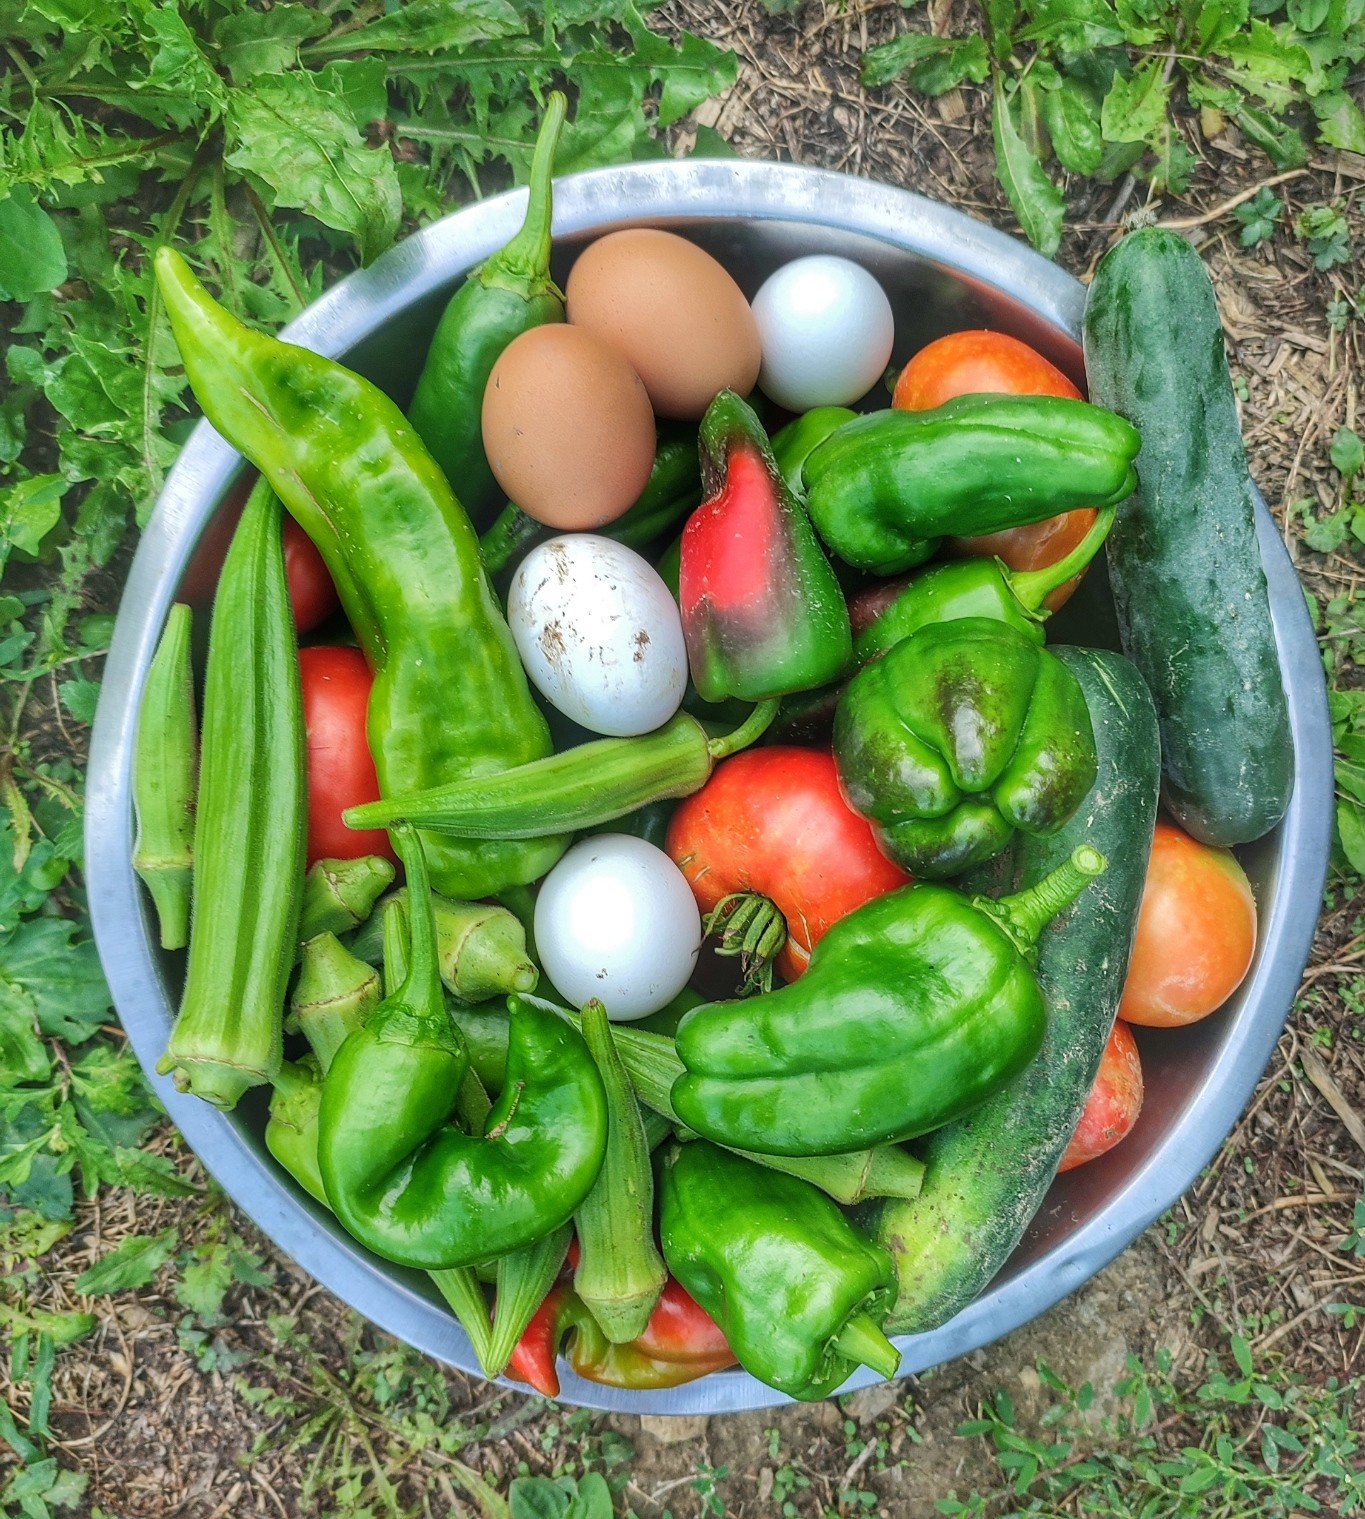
(336, 693)
(967, 363)
(977, 362)
(773, 821)
(1196, 933)
(1114, 1103)
(311, 592)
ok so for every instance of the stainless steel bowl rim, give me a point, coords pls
(672, 191)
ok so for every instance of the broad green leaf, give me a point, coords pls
(23, 1055)
(1282, 142)
(80, 697)
(1001, 17)
(29, 510)
(710, 144)
(1072, 26)
(1217, 21)
(63, 1327)
(63, 978)
(689, 72)
(251, 43)
(32, 258)
(1071, 114)
(934, 65)
(1265, 57)
(362, 83)
(1144, 21)
(1351, 833)
(424, 26)
(132, 1263)
(205, 1281)
(1341, 123)
(1308, 15)
(1347, 454)
(1037, 202)
(1135, 107)
(1174, 161)
(303, 142)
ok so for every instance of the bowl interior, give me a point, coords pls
(1101, 1205)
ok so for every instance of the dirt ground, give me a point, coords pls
(259, 1413)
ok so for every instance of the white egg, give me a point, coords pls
(599, 634)
(616, 920)
(827, 331)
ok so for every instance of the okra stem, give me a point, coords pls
(164, 764)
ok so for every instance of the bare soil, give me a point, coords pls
(267, 1411)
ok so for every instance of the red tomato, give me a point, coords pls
(773, 821)
(977, 362)
(336, 693)
(1196, 933)
(1114, 1103)
(968, 363)
(311, 592)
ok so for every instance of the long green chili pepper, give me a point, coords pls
(403, 555)
(250, 828)
(620, 1272)
(588, 784)
(507, 295)
(164, 763)
(400, 1176)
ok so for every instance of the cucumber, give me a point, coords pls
(987, 1173)
(1184, 564)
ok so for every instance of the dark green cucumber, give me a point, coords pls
(987, 1173)
(1184, 563)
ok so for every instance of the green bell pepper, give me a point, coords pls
(401, 1177)
(799, 1294)
(914, 1009)
(960, 734)
(884, 485)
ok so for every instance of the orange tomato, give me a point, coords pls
(1114, 1103)
(968, 363)
(1196, 933)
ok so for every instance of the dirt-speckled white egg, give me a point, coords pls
(599, 634)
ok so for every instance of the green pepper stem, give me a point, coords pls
(1024, 915)
(509, 531)
(749, 731)
(523, 266)
(861, 1340)
(421, 986)
(1032, 587)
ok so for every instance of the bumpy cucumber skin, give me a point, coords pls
(987, 1173)
(1184, 563)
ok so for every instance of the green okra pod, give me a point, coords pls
(165, 759)
(333, 995)
(522, 1279)
(340, 894)
(620, 1272)
(250, 825)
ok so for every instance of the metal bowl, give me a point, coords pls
(943, 271)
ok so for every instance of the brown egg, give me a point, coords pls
(675, 313)
(567, 427)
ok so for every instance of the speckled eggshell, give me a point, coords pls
(673, 310)
(567, 427)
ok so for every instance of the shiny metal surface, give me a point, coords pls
(942, 271)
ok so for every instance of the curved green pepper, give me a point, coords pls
(982, 587)
(914, 1009)
(885, 484)
(400, 1176)
(402, 553)
(962, 733)
(505, 296)
(799, 1294)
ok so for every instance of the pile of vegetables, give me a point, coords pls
(918, 890)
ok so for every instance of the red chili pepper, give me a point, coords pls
(680, 1343)
(762, 612)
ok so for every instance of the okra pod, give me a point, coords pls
(164, 764)
(620, 1272)
(250, 825)
(340, 894)
(334, 994)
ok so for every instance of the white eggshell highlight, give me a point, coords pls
(616, 920)
(599, 634)
(827, 331)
